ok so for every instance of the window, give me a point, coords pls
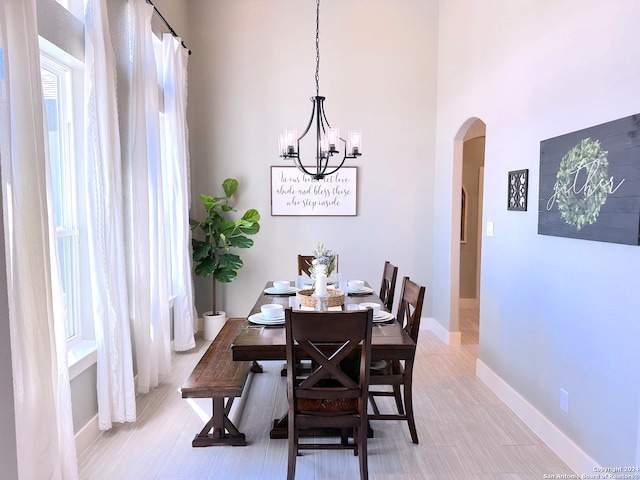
(76, 7)
(57, 89)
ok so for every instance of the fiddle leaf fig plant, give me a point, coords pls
(218, 234)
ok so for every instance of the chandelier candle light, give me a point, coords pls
(327, 138)
(321, 293)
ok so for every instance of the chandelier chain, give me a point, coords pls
(317, 48)
(328, 139)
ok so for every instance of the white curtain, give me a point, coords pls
(105, 228)
(44, 428)
(147, 256)
(176, 136)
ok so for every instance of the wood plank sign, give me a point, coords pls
(590, 183)
(294, 193)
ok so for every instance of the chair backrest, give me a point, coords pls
(410, 307)
(388, 284)
(330, 339)
(305, 264)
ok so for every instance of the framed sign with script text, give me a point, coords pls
(590, 183)
(294, 193)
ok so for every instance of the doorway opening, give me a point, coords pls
(472, 181)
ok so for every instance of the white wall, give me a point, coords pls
(555, 312)
(175, 12)
(252, 74)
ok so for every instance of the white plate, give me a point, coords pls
(360, 290)
(274, 291)
(383, 317)
(258, 319)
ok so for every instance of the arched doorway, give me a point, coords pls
(471, 168)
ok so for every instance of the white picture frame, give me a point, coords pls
(294, 193)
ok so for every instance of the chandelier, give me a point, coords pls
(328, 139)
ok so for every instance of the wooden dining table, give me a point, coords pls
(258, 342)
(262, 343)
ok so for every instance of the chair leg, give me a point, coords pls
(408, 402)
(362, 452)
(356, 443)
(398, 397)
(293, 450)
(374, 405)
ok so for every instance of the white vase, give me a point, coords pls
(213, 324)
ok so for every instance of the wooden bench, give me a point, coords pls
(217, 376)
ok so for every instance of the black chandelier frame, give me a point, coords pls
(325, 149)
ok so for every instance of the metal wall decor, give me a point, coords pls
(518, 186)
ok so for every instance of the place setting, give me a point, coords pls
(357, 288)
(271, 314)
(281, 287)
(379, 315)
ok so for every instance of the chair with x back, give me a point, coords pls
(305, 262)
(388, 284)
(394, 372)
(329, 397)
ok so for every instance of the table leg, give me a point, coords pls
(223, 431)
(256, 367)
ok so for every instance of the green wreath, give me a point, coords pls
(582, 178)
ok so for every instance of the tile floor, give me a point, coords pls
(466, 432)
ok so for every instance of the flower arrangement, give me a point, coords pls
(324, 261)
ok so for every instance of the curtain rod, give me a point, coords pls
(171, 30)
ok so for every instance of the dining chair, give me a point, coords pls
(388, 285)
(394, 372)
(329, 397)
(305, 264)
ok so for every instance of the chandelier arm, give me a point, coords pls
(321, 161)
(306, 130)
(324, 116)
(339, 166)
(301, 167)
(346, 154)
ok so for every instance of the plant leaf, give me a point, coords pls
(230, 261)
(227, 227)
(225, 275)
(249, 228)
(208, 202)
(240, 241)
(230, 185)
(251, 215)
(206, 267)
(201, 250)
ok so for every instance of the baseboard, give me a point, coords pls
(87, 435)
(453, 339)
(562, 445)
(90, 432)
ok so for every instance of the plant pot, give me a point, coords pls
(213, 324)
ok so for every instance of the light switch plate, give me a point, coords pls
(489, 229)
